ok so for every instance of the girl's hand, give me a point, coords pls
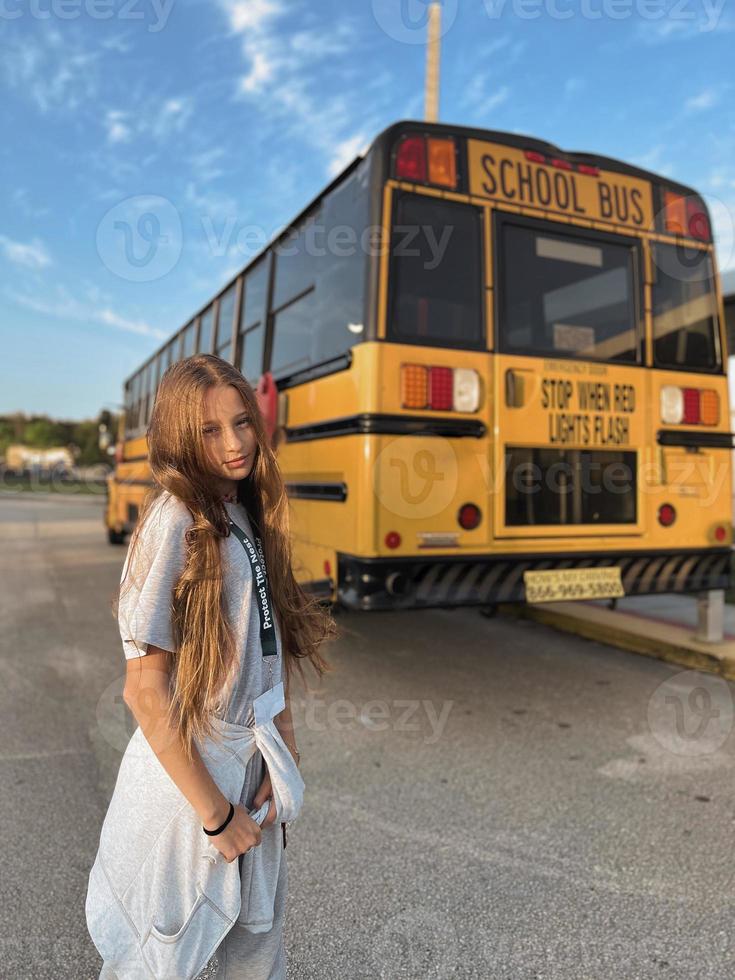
(265, 791)
(240, 834)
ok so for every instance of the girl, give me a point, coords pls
(213, 623)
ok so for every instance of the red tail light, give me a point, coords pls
(469, 516)
(720, 533)
(697, 220)
(666, 515)
(691, 406)
(392, 539)
(441, 386)
(411, 158)
(685, 216)
(427, 160)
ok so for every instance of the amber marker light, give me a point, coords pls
(442, 162)
(414, 386)
(709, 406)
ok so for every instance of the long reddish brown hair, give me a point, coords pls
(205, 653)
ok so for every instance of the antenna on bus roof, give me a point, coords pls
(431, 94)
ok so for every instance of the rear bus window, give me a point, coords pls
(684, 309)
(566, 295)
(436, 273)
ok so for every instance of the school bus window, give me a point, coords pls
(150, 389)
(563, 294)
(188, 340)
(254, 300)
(143, 398)
(156, 372)
(167, 358)
(130, 406)
(295, 259)
(341, 271)
(135, 417)
(252, 318)
(293, 332)
(205, 330)
(569, 486)
(436, 273)
(223, 343)
(684, 308)
(251, 352)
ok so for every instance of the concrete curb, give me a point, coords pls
(651, 638)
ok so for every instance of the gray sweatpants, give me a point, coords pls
(244, 955)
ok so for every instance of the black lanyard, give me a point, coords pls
(260, 590)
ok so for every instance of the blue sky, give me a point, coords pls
(225, 117)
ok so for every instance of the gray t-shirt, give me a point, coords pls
(144, 617)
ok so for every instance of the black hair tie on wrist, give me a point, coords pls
(230, 815)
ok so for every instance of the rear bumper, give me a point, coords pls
(472, 580)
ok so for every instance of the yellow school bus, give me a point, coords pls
(493, 370)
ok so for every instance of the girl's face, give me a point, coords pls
(229, 438)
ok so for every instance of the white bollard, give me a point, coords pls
(710, 616)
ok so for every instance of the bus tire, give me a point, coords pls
(115, 537)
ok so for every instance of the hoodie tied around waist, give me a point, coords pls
(161, 897)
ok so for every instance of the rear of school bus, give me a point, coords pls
(130, 480)
(539, 409)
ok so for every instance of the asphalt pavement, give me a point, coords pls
(485, 797)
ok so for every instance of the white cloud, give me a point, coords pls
(155, 119)
(251, 15)
(498, 98)
(118, 130)
(706, 24)
(261, 71)
(22, 199)
(55, 73)
(346, 151)
(32, 255)
(318, 43)
(282, 63)
(653, 160)
(705, 100)
(65, 306)
(203, 165)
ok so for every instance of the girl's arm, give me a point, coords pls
(146, 693)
